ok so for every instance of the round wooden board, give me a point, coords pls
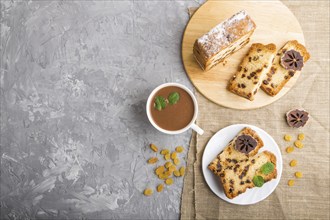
(275, 24)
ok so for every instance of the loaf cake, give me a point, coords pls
(236, 179)
(223, 40)
(252, 70)
(288, 61)
(235, 152)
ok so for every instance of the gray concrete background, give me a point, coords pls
(75, 77)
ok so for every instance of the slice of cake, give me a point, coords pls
(253, 70)
(246, 143)
(223, 40)
(255, 171)
(289, 60)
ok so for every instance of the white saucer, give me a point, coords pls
(218, 142)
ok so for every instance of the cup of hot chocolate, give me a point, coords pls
(172, 109)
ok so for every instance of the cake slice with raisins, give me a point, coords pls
(289, 60)
(246, 143)
(256, 171)
(252, 71)
(223, 40)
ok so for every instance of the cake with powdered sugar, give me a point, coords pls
(223, 40)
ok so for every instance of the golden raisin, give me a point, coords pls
(160, 187)
(173, 155)
(291, 182)
(176, 161)
(287, 137)
(168, 164)
(164, 151)
(177, 173)
(301, 137)
(172, 168)
(179, 149)
(162, 176)
(182, 171)
(169, 181)
(153, 147)
(152, 160)
(293, 163)
(148, 192)
(167, 156)
(160, 170)
(289, 149)
(298, 144)
(298, 174)
(167, 173)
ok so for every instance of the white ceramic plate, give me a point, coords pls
(218, 142)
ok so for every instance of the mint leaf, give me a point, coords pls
(258, 181)
(160, 103)
(173, 98)
(267, 168)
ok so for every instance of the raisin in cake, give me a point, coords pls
(246, 143)
(236, 179)
(223, 40)
(252, 71)
(288, 61)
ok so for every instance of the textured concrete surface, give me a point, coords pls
(75, 77)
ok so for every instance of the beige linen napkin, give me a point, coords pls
(309, 197)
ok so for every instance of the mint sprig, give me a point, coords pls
(160, 103)
(258, 181)
(267, 168)
(173, 98)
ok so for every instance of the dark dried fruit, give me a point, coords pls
(219, 167)
(292, 60)
(245, 143)
(297, 118)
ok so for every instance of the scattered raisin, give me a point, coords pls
(177, 173)
(167, 156)
(160, 187)
(291, 182)
(164, 152)
(289, 149)
(179, 149)
(153, 147)
(148, 192)
(169, 181)
(287, 137)
(293, 163)
(168, 164)
(160, 170)
(173, 155)
(301, 137)
(298, 174)
(298, 144)
(182, 171)
(152, 160)
(172, 168)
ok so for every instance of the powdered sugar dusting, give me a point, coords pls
(225, 33)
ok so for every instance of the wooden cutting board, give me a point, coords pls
(275, 24)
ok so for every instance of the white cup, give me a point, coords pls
(191, 123)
